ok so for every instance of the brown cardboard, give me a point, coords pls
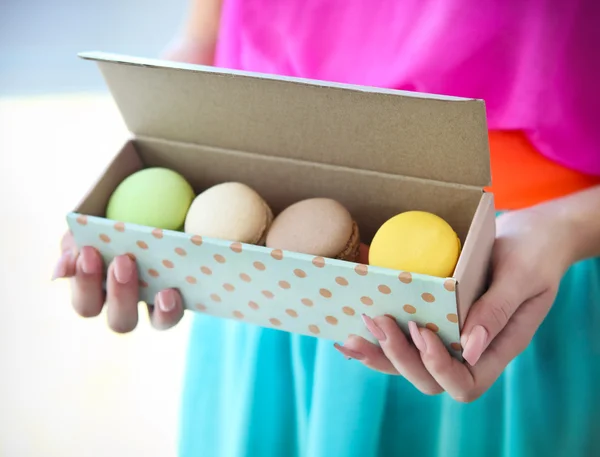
(403, 133)
(378, 152)
(473, 265)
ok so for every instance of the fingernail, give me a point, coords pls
(60, 270)
(417, 337)
(88, 262)
(123, 269)
(464, 338)
(475, 344)
(373, 328)
(349, 353)
(166, 300)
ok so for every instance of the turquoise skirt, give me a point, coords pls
(259, 392)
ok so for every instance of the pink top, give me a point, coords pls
(536, 63)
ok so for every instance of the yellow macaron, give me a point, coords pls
(418, 242)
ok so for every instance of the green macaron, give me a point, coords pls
(154, 197)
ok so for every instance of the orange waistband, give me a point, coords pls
(522, 177)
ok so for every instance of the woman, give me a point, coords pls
(531, 343)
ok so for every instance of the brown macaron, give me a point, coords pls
(317, 226)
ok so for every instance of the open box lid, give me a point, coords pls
(397, 132)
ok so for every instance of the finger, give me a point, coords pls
(66, 265)
(122, 294)
(466, 384)
(514, 339)
(490, 314)
(87, 295)
(67, 241)
(404, 356)
(368, 353)
(167, 310)
(453, 376)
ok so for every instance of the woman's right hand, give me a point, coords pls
(86, 273)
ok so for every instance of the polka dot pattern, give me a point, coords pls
(244, 277)
(325, 293)
(348, 311)
(331, 320)
(341, 281)
(361, 270)
(366, 301)
(309, 295)
(432, 327)
(318, 262)
(405, 277)
(410, 309)
(299, 273)
(268, 294)
(385, 290)
(450, 285)
(427, 297)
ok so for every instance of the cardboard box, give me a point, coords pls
(378, 152)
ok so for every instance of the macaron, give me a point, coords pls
(417, 242)
(153, 197)
(317, 226)
(230, 211)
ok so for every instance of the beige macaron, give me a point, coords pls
(317, 226)
(230, 211)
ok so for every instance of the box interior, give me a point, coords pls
(371, 197)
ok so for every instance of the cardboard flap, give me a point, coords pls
(402, 133)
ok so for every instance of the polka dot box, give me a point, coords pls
(215, 125)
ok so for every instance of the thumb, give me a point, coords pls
(490, 314)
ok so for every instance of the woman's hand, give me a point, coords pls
(531, 253)
(85, 269)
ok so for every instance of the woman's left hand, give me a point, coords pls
(531, 254)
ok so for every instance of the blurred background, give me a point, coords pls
(69, 386)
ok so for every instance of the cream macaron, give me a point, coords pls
(316, 226)
(230, 211)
